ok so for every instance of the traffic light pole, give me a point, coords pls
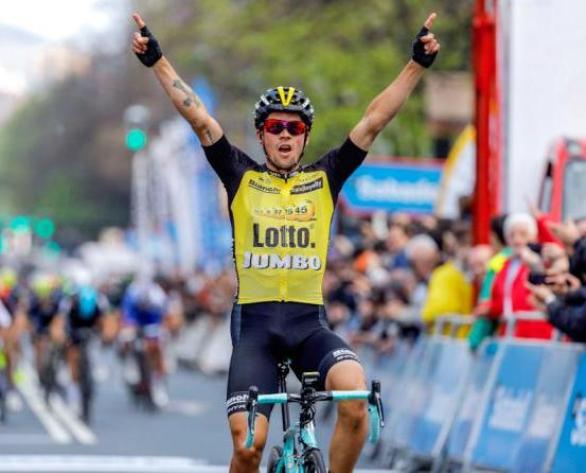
(136, 121)
(139, 202)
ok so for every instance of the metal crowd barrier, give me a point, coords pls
(515, 406)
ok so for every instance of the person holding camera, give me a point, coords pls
(510, 294)
(564, 304)
(562, 294)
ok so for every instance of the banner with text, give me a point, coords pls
(394, 186)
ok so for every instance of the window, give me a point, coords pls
(574, 191)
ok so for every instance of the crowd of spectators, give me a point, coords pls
(392, 277)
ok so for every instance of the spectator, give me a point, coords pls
(478, 259)
(449, 290)
(484, 326)
(564, 296)
(424, 256)
(369, 322)
(501, 254)
(567, 312)
(396, 243)
(510, 295)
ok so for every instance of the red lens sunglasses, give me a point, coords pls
(275, 127)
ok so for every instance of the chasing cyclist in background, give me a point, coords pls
(12, 298)
(144, 308)
(281, 214)
(42, 308)
(82, 309)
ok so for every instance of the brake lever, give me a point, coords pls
(375, 399)
(251, 407)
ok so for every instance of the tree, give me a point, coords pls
(62, 154)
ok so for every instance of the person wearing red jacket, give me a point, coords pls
(510, 294)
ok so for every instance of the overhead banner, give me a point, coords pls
(395, 187)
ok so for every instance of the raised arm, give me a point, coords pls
(388, 103)
(187, 103)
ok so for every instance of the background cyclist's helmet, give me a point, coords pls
(283, 99)
(87, 298)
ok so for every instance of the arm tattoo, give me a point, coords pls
(190, 96)
(209, 137)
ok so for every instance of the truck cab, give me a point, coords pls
(563, 186)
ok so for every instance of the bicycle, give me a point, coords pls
(300, 452)
(86, 380)
(49, 372)
(138, 372)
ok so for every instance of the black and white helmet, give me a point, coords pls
(283, 99)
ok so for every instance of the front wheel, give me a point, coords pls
(314, 462)
(273, 465)
(86, 386)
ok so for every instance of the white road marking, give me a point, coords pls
(111, 464)
(80, 431)
(31, 394)
(99, 464)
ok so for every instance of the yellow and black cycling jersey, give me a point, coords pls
(281, 225)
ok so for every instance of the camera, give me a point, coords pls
(536, 278)
(535, 247)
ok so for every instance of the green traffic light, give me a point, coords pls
(136, 139)
(20, 223)
(44, 228)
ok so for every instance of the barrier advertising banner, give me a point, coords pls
(570, 455)
(556, 377)
(508, 412)
(394, 186)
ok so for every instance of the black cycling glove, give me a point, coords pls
(419, 55)
(153, 52)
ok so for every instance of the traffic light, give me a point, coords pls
(44, 228)
(136, 139)
(20, 223)
(136, 120)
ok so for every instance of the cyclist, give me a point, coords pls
(82, 310)
(281, 214)
(11, 301)
(144, 308)
(42, 309)
(5, 323)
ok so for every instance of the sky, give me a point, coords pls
(55, 19)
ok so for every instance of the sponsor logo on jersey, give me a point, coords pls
(274, 261)
(285, 236)
(308, 187)
(263, 188)
(237, 402)
(344, 354)
(303, 212)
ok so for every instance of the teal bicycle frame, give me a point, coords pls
(302, 433)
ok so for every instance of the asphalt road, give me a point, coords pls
(189, 435)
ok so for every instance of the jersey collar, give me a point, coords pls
(286, 176)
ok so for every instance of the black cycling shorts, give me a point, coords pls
(263, 334)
